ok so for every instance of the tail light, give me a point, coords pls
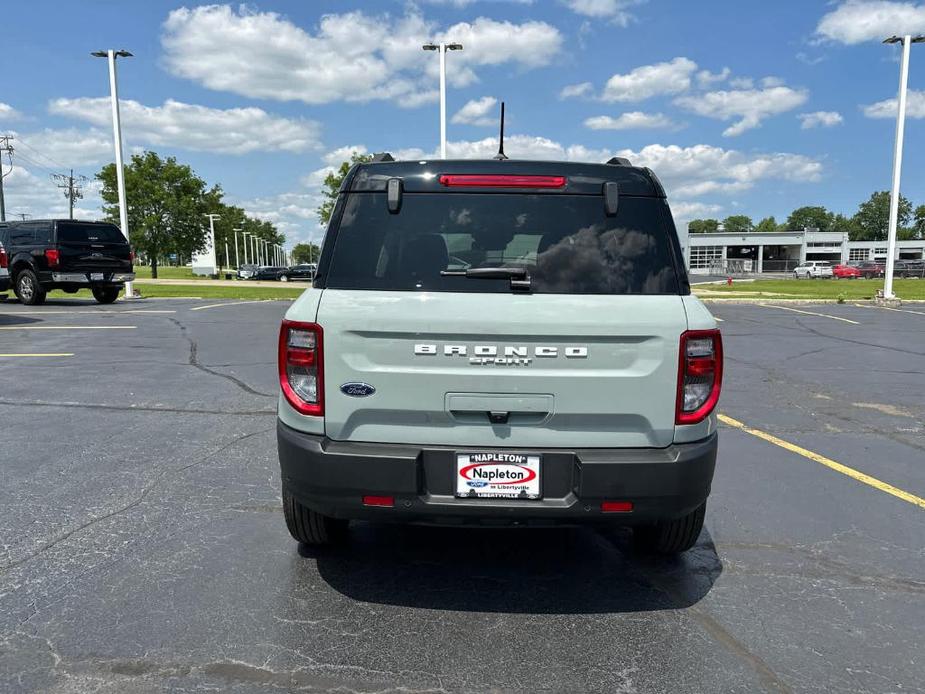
(4, 260)
(700, 375)
(301, 366)
(502, 181)
(131, 256)
(51, 255)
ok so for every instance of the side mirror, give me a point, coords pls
(611, 198)
(394, 189)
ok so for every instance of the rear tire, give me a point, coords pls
(105, 295)
(28, 289)
(284, 278)
(311, 527)
(671, 536)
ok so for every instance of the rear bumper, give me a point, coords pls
(84, 277)
(331, 477)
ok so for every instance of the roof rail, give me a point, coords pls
(382, 156)
(619, 161)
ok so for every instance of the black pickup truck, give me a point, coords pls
(47, 254)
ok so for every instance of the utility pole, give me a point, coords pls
(71, 187)
(906, 42)
(5, 146)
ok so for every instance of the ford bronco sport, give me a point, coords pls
(499, 343)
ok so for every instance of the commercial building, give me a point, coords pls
(729, 252)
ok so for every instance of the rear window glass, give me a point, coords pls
(566, 242)
(71, 232)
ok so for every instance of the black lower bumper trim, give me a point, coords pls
(332, 477)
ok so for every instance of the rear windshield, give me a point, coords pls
(566, 242)
(75, 232)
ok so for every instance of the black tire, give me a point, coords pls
(671, 536)
(105, 295)
(28, 290)
(310, 527)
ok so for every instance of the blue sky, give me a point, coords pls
(753, 108)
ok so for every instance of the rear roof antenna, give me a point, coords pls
(501, 154)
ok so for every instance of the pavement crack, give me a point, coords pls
(194, 362)
(166, 474)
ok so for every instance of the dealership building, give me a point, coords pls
(727, 252)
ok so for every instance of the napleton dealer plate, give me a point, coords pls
(494, 475)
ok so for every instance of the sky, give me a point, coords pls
(740, 107)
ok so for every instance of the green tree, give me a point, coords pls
(767, 224)
(809, 218)
(305, 253)
(919, 223)
(872, 221)
(703, 226)
(166, 204)
(737, 222)
(332, 185)
(842, 224)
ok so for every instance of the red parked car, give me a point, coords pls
(845, 272)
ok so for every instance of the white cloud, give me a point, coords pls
(614, 10)
(749, 106)
(742, 82)
(705, 78)
(772, 82)
(466, 3)
(351, 57)
(700, 169)
(820, 119)
(692, 210)
(189, 126)
(650, 80)
(571, 91)
(915, 106)
(633, 120)
(8, 113)
(857, 21)
(338, 156)
(33, 193)
(477, 112)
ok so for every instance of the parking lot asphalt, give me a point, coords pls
(142, 545)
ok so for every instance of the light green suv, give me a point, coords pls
(499, 343)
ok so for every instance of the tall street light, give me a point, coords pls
(237, 263)
(906, 42)
(111, 55)
(442, 48)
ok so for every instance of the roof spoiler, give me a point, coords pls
(619, 161)
(382, 156)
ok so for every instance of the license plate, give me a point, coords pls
(494, 475)
(96, 277)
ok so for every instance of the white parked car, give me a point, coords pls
(813, 268)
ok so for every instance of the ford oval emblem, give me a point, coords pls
(357, 390)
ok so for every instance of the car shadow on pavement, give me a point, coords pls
(516, 570)
(9, 319)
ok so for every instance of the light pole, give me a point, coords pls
(245, 234)
(111, 55)
(442, 48)
(906, 42)
(237, 263)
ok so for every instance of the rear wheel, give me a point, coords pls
(105, 295)
(311, 527)
(671, 536)
(28, 289)
(284, 278)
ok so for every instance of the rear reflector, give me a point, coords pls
(301, 366)
(616, 506)
(388, 501)
(502, 181)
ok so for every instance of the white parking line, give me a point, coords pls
(718, 319)
(231, 303)
(85, 312)
(887, 308)
(68, 327)
(48, 354)
(811, 313)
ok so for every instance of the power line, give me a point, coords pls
(71, 186)
(47, 158)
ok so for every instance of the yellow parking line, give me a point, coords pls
(49, 354)
(68, 327)
(230, 303)
(811, 313)
(828, 462)
(887, 308)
